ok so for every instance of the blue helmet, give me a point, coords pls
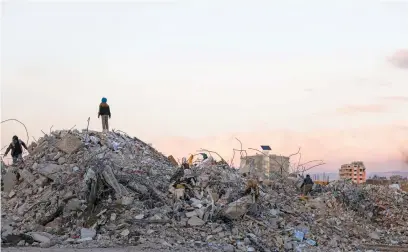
(104, 100)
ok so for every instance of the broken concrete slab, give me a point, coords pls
(61, 160)
(127, 200)
(69, 144)
(9, 181)
(11, 194)
(51, 171)
(195, 221)
(110, 178)
(28, 177)
(125, 232)
(191, 214)
(73, 205)
(41, 181)
(41, 237)
(237, 209)
(88, 233)
(374, 235)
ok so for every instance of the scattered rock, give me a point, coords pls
(139, 217)
(61, 161)
(40, 237)
(41, 181)
(195, 221)
(12, 194)
(125, 232)
(191, 214)
(73, 205)
(374, 236)
(228, 248)
(126, 200)
(88, 233)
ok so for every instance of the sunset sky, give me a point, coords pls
(329, 77)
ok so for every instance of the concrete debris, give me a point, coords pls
(125, 232)
(195, 221)
(69, 143)
(40, 237)
(10, 180)
(88, 189)
(88, 233)
(51, 171)
(139, 217)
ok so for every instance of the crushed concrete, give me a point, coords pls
(89, 190)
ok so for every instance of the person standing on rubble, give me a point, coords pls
(307, 185)
(104, 111)
(16, 148)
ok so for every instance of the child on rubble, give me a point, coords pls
(104, 111)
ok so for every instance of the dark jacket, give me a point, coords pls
(307, 181)
(16, 148)
(104, 110)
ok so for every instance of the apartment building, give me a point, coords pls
(355, 171)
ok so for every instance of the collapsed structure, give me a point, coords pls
(85, 189)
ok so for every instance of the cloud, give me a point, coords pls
(369, 108)
(400, 59)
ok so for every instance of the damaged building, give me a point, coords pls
(265, 164)
(356, 171)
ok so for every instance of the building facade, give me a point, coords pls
(355, 171)
(264, 165)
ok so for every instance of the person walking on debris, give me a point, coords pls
(307, 185)
(16, 148)
(104, 111)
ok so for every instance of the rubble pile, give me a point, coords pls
(70, 176)
(87, 189)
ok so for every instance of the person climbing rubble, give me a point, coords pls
(185, 164)
(16, 147)
(184, 180)
(307, 185)
(104, 111)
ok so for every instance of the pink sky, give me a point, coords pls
(382, 144)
